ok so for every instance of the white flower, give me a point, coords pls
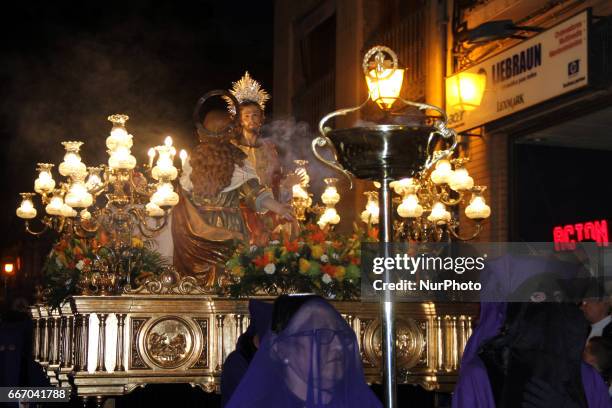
(274, 242)
(324, 258)
(326, 278)
(253, 248)
(58, 262)
(335, 256)
(270, 269)
(80, 265)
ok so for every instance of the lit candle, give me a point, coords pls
(151, 155)
(183, 156)
(168, 141)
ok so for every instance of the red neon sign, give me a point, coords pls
(566, 236)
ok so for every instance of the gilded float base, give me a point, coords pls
(115, 344)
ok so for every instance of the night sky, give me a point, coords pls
(66, 66)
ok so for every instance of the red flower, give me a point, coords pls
(318, 237)
(329, 269)
(355, 260)
(312, 227)
(261, 261)
(291, 246)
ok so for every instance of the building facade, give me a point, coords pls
(319, 46)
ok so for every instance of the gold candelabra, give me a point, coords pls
(116, 196)
(424, 201)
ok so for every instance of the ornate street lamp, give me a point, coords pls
(398, 152)
(465, 90)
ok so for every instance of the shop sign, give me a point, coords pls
(566, 236)
(547, 65)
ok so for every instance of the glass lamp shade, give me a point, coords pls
(460, 180)
(165, 196)
(118, 138)
(94, 180)
(78, 196)
(164, 169)
(464, 91)
(55, 205)
(403, 186)
(44, 183)
(68, 211)
(442, 173)
(301, 171)
(439, 215)
(385, 86)
(331, 215)
(372, 208)
(478, 208)
(330, 196)
(26, 209)
(370, 214)
(121, 159)
(410, 207)
(299, 192)
(72, 164)
(153, 210)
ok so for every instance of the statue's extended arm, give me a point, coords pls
(283, 210)
(261, 199)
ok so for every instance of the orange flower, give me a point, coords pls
(60, 246)
(261, 261)
(103, 238)
(373, 233)
(291, 246)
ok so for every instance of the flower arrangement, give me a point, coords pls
(72, 258)
(318, 261)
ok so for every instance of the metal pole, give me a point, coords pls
(387, 305)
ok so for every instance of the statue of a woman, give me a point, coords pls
(207, 222)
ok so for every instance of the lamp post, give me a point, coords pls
(389, 152)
